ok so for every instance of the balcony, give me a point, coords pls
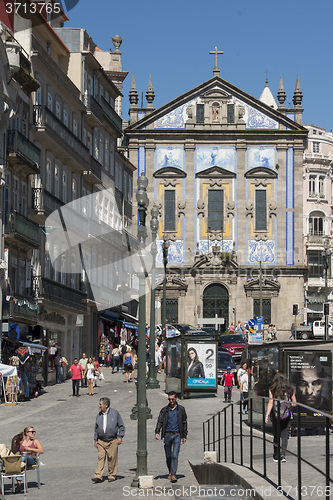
(94, 174)
(317, 239)
(94, 116)
(22, 153)
(21, 231)
(59, 294)
(20, 309)
(43, 204)
(112, 117)
(57, 136)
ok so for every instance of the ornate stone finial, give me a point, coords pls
(216, 70)
(150, 94)
(281, 95)
(298, 96)
(133, 95)
(117, 41)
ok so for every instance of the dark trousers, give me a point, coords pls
(284, 434)
(84, 381)
(227, 392)
(171, 448)
(76, 387)
(115, 363)
(245, 400)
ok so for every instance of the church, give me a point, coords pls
(225, 170)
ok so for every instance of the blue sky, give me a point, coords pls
(171, 40)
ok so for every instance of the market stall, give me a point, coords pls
(10, 388)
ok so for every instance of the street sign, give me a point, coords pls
(260, 322)
(251, 329)
(251, 322)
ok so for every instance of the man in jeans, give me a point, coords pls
(76, 370)
(173, 422)
(83, 362)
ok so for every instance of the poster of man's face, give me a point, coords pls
(310, 374)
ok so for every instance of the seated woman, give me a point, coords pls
(29, 447)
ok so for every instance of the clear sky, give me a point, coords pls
(172, 39)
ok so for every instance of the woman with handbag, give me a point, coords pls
(97, 370)
(280, 389)
(90, 373)
(128, 363)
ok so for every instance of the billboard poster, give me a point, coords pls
(201, 365)
(310, 374)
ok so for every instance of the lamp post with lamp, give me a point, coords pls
(152, 382)
(142, 263)
(165, 249)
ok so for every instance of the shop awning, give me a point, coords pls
(33, 348)
(109, 315)
(130, 325)
(8, 370)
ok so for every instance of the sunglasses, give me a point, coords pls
(171, 399)
(34, 432)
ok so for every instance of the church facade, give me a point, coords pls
(225, 170)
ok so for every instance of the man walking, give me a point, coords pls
(76, 370)
(83, 362)
(228, 380)
(173, 422)
(109, 433)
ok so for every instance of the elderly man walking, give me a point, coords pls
(109, 433)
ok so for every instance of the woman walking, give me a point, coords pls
(90, 373)
(115, 358)
(243, 380)
(280, 389)
(97, 370)
(128, 363)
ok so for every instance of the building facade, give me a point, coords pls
(63, 161)
(318, 162)
(225, 170)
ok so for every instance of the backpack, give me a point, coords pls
(285, 408)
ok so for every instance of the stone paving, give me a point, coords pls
(65, 427)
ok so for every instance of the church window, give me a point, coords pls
(261, 210)
(266, 309)
(315, 147)
(215, 210)
(169, 210)
(200, 113)
(231, 113)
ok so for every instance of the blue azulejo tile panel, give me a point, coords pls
(205, 246)
(142, 160)
(290, 178)
(206, 157)
(256, 120)
(175, 119)
(170, 157)
(175, 252)
(261, 251)
(261, 157)
(290, 256)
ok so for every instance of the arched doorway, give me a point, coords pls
(216, 302)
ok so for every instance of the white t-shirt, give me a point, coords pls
(240, 372)
(244, 379)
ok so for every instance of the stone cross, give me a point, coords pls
(216, 70)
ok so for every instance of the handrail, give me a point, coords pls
(216, 437)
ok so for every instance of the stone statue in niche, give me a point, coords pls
(215, 112)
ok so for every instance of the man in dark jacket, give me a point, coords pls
(173, 422)
(109, 433)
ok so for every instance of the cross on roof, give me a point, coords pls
(216, 70)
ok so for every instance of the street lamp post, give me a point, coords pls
(141, 262)
(165, 248)
(152, 382)
(326, 254)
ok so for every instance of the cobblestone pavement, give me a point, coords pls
(65, 426)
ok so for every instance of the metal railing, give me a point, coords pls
(234, 441)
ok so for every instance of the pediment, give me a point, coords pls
(173, 283)
(215, 172)
(207, 261)
(268, 284)
(169, 172)
(260, 173)
(255, 114)
(216, 94)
